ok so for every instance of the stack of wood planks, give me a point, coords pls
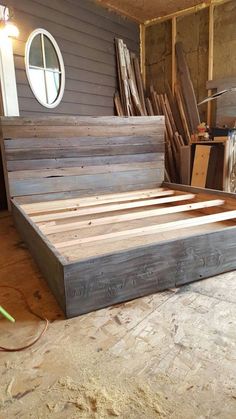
(129, 101)
(178, 107)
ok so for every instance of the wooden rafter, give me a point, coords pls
(189, 10)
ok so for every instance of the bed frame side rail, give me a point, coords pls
(111, 279)
(48, 259)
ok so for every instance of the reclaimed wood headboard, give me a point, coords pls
(61, 157)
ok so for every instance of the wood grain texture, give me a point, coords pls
(187, 88)
(69, 152)
(53, 163)
(152, 229)
(112, 152)
(26, 199)
(129, 216)
(64, 127)
(185, 164)
(73, 214)
(100, 282)
(200, 165)
(48, 259)
(80, 142)
(82, 170)
(72, 204)
(201, 191)
(84, 182)
(78, 121)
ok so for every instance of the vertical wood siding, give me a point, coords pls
(85, 33)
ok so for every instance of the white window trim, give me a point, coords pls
(7, 72)
(61, 62)
(8, 78)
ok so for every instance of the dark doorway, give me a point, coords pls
(3, 196)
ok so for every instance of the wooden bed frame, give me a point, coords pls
(88, 198)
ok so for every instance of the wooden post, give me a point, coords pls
(173, 71)
(142, 53)
(210, 58)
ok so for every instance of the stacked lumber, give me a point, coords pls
(178, 107)
(129, 101)
(187, 89)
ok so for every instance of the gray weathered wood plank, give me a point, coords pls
(111, 279)
(132, 122)
(84, 182)
(83, 151)
(48, 259)
(66, 142)
(187, 88)
(38, 143)
(54, 163)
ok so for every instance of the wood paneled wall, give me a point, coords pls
(85, 33)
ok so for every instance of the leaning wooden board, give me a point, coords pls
(88, 197)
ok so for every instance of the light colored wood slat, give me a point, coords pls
(153, 229)
(110, 208)
(81, 170)
(73, 203)
(82, 252)
(130, 216)
(200, 165)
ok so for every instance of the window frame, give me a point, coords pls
(42, 32)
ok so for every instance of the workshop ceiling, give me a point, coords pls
(144, 10)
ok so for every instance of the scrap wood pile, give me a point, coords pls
(180, 109)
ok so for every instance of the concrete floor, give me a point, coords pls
(169, 355)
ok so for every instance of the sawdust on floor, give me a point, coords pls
(93, 400)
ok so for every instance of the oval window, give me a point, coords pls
(45, 68)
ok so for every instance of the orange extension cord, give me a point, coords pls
(22, 348)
